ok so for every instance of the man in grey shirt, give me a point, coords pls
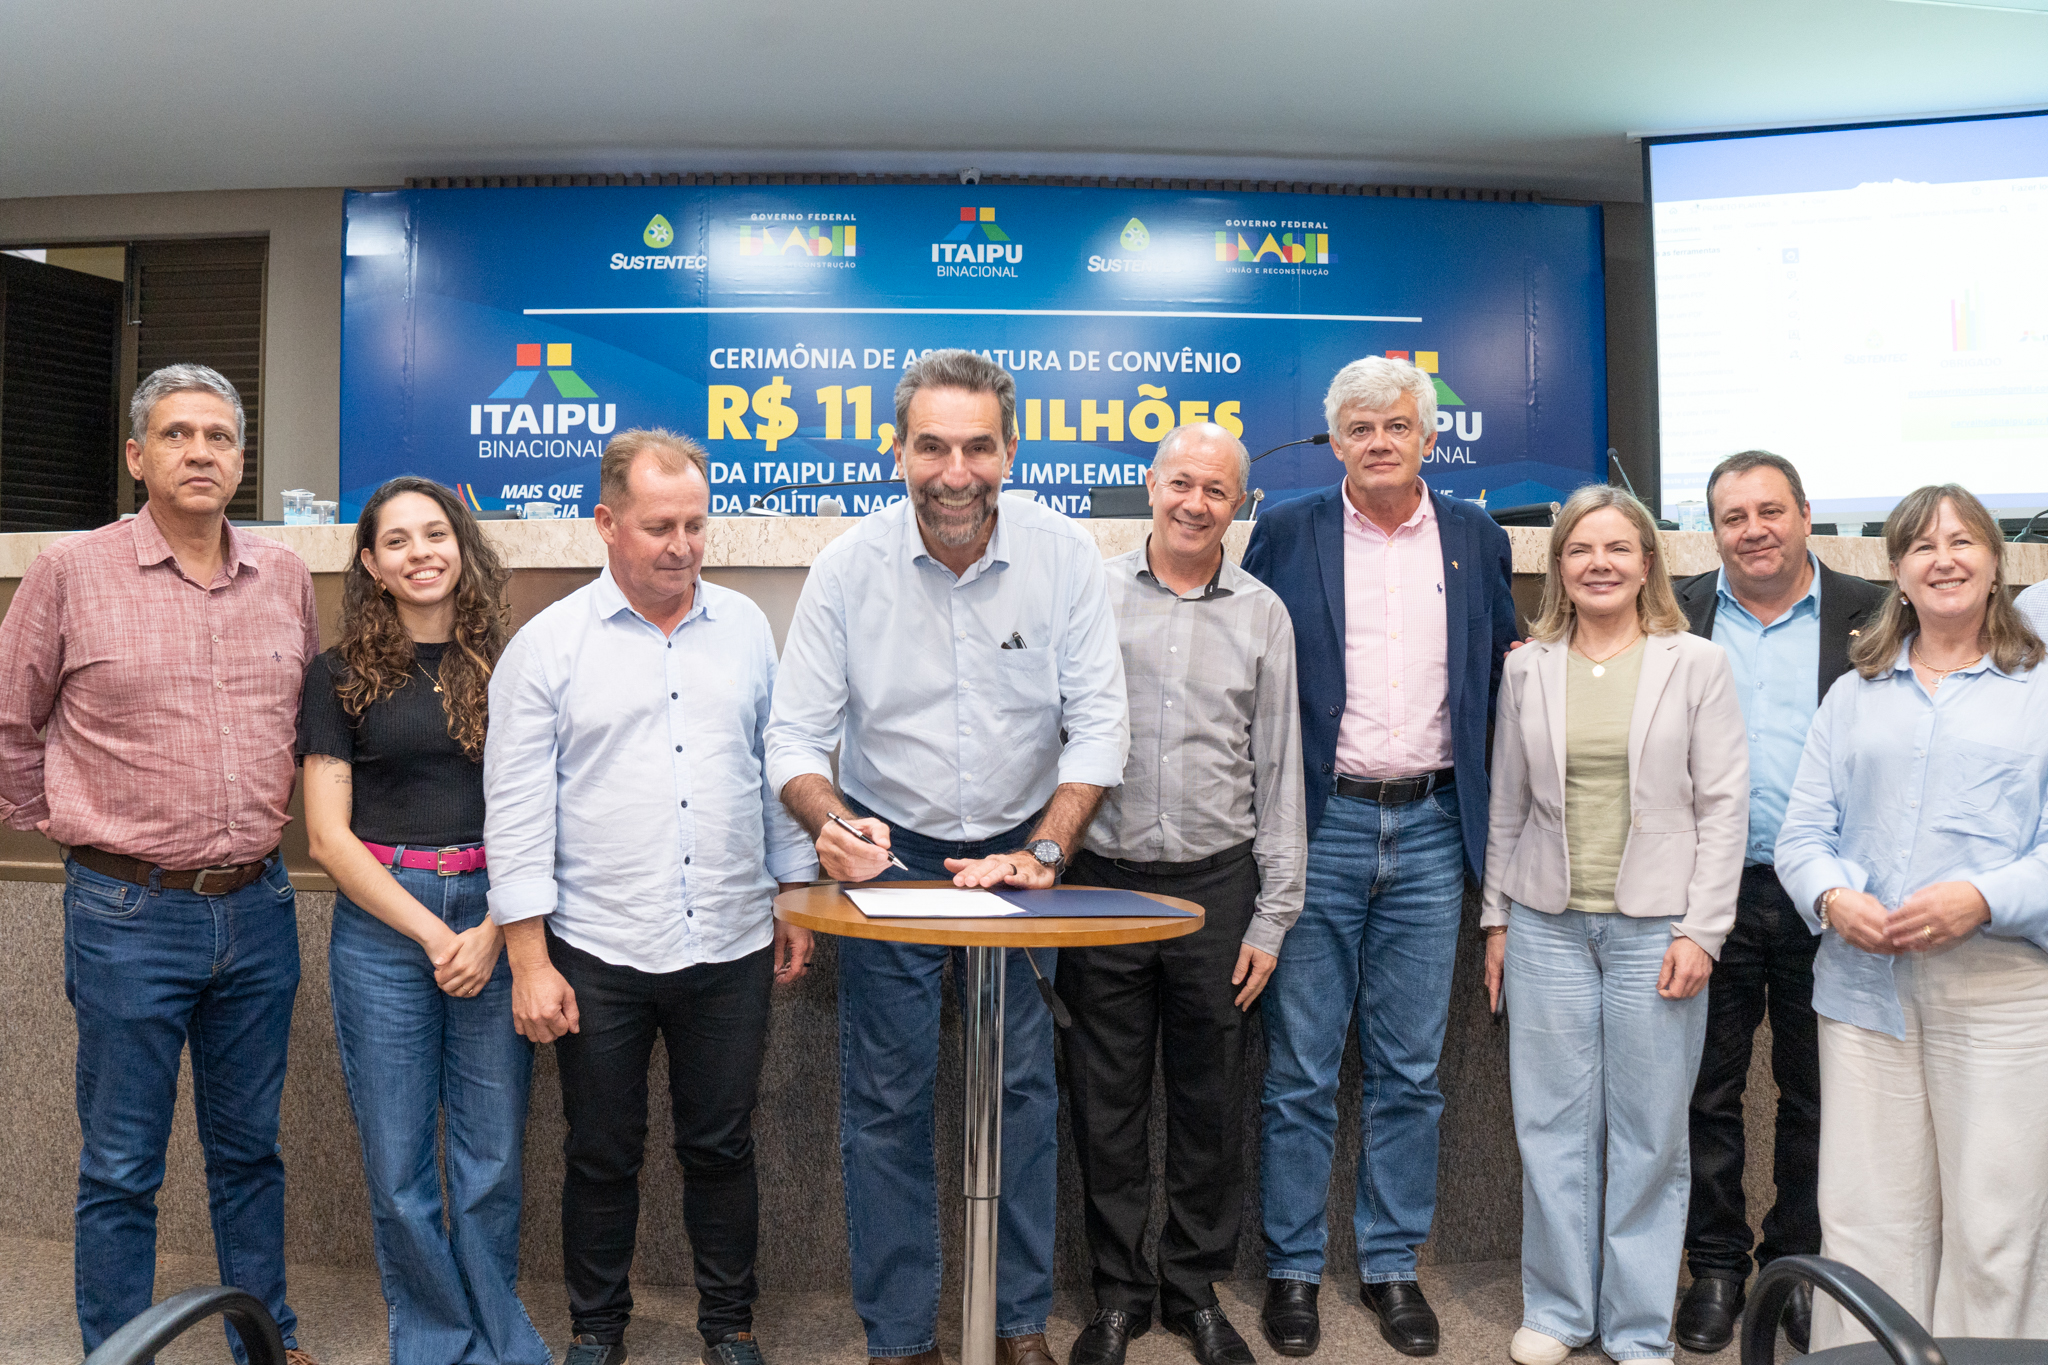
(943, 646)
(1211, 811)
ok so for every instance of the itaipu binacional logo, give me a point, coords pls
(1466, 424)
(514, 427)
(977, 248)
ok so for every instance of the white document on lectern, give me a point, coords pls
(939, 902)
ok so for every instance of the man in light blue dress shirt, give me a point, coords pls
(963, 660)
(635, 854)
(1786, 621)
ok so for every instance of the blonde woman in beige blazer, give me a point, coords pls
(1618, 818)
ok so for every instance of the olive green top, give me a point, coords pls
(1599, 703)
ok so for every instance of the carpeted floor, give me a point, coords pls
(342, 1318)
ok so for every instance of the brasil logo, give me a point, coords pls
(811, 239)
(508, 416)
(1312, 249)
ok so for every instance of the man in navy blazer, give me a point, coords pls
(1402, 616)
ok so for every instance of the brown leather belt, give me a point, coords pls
(205, 881)
(1396, 791)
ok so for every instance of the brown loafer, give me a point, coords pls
(1025, 1350)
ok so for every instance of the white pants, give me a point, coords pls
(1934, 1148)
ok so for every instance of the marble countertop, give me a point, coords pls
(793, 542)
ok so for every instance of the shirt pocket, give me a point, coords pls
(1027, 683)
(1990, 793)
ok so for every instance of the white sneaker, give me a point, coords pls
(1531, 1347)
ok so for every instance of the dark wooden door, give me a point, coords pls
(60, 351)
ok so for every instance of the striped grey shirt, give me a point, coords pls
(1215, 734)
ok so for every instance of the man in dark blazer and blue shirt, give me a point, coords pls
(1786, 621)
(1402, 616)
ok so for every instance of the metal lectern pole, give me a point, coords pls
(983, 1168)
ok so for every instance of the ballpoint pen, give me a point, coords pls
(894, 861)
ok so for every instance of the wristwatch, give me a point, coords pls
(1048, 851)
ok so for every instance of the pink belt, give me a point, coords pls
(449, 862)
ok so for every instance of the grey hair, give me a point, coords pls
(1377, 383)
(1211, 432)
(955, 369)
(183, 379)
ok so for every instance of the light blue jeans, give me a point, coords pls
(1375, 944)
(413, 1056)
(1602, 1070)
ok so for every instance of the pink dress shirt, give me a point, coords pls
(1397, 719)
(171, 705)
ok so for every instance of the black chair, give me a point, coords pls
(155, 1328)
(2030, 531)
(1900, 1339)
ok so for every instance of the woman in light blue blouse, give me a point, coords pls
(1916, 842)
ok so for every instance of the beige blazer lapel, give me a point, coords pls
(1550, 676)
(1660, 661)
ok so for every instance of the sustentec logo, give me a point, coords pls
(1135, 238)
(1446, 397)
(961, 254)
(512, 417)
(658, 233)
(808, 239)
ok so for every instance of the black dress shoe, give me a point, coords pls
(1104, 1339)
(1406, 1320)
(1292, 1326)
(1798, 1317)
(1707, 1314)
(1214, 1340)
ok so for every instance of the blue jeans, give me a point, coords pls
(147, 971)
(889, 995)
(410, 1054)
(1602, 1070)
(1376, 940)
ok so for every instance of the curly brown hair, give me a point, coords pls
(377, 654)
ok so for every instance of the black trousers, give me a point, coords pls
(1766, 965)
(713, 1020)
(1178, 992)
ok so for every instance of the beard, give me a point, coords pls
(959, 523)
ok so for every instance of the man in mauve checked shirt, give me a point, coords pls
(164, 656)
(1210, 810)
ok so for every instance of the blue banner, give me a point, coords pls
(493, 339)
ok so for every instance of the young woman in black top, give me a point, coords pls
(391, 728)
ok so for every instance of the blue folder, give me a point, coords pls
(1089, 902)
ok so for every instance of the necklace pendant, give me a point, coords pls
(1599, 670)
